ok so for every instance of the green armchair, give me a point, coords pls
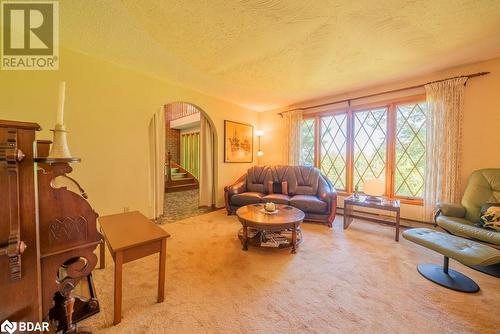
(483, 187)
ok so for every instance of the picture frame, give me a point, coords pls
(238, 142)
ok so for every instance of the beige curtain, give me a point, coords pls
(444, 141)
(206, 180)
(190, 153)
(157, 162)
(292, 123)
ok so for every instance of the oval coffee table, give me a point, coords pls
(287, 218)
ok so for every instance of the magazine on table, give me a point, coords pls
(273, 239)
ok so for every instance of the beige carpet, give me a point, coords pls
(357, 281)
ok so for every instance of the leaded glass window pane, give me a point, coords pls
(410, 149)
(333, 149)
(370, 145)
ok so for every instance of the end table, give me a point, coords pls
(386, 204)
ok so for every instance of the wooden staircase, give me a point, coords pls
(177, 178)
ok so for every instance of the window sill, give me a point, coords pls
(410, 201)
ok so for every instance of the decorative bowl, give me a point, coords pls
(270, 207)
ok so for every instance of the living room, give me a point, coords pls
(358, 121)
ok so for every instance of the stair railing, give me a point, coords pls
(169, 167)
(179, 110)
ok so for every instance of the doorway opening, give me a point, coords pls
(190, 148)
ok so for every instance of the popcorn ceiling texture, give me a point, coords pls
(270, 53)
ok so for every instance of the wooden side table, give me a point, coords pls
(392, 205)
(131, 236)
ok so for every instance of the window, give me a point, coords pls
(333, 149)
(384, 141)
(370, 145)
(410, 150)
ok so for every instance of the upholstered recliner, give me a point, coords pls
(299, 186)
(483, 187)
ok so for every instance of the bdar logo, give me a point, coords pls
(30, 35)
(8, 327)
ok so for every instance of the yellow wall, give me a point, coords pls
(481, 124)
(108, 109)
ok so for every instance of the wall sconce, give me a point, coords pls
(259, 133)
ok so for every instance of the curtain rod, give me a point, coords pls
(478, 74)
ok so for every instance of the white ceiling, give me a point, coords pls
(265, 54)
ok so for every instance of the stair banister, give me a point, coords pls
(169, 167)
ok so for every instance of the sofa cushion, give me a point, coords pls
(303, 180)
(280, 173)
(270, 187)
(468, 252)
(309, 203)
(276, 198)
(250, 197)
(257, 177)
(284, 187)
(465, 228)
(277, 187)
(483, 186)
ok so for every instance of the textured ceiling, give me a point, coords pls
(264, 54)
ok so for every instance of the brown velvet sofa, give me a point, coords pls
(300, 186)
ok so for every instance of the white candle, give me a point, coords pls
(60, 106)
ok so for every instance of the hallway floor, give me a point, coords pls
(182, 204)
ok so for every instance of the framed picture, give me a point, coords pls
(238, 142)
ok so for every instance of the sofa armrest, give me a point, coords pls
(328, 196)
(327, 193)
(451, 210)
(237, 188)
(240, 186)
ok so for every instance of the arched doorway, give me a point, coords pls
(190, 156)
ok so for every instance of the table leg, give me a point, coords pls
(347, 215)
(397, 225)
(161, 272)
(118, 287)
(102, 255)
(245, 237)
(294, 239)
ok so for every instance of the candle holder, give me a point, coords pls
(59, 149)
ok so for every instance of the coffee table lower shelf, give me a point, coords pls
(257, 239)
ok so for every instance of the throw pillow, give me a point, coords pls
(490, 216)
(284, 187)
(270, 185)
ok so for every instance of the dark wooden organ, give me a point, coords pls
(48, 235)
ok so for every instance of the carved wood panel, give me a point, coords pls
(17, 214)
(68, 233)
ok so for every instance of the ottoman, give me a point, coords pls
(466, 251)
